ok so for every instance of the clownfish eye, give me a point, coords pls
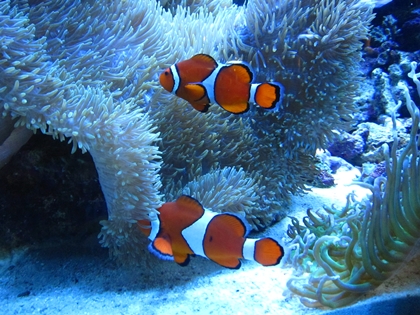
(166, 72)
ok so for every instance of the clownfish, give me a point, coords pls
(201, 81)
(184, 228)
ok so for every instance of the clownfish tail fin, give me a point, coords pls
(267, 95)
(268, 252)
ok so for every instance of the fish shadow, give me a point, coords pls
(89, 269)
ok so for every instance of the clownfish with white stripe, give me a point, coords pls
(184, 228)
(201, 81)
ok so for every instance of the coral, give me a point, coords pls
(87, 71)
(411, 26)
(53, 82)
(349, 147)
(262, 143)
(230, 190)
(194, 144)
(352, 250)
(371, 171)
(377, 135)
(195, 5)
(397, 25)
(313, 49)
(384, 101)
(214, 190)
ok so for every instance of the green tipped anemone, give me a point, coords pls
(347, 252)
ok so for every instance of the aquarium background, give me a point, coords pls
(51, 201)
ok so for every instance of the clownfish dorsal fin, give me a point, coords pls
(196, 90)
(205, 59)
(190, 204)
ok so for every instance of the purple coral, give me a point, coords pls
(349, 147)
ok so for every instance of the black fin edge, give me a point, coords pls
(152, 249)
(203, 54)
(279, 94)
(206, 108)
(185, 262)
(192, 198)
(281, 249)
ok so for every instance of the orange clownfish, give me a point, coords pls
(185, 228)
(201, 81)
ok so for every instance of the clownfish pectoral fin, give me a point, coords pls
(161, 247)
(182, 259)
(268, 252)
(196, 91)
(267, 95)
(238, 108)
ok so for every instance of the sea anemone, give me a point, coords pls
(346, 252)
